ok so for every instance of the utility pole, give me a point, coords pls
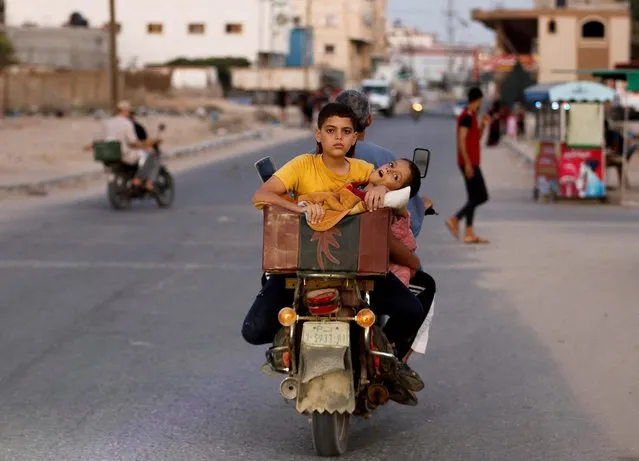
(258, 60)
(450, 21)
(411, 61)
(308, 46)
(113, 56)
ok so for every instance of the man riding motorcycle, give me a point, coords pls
(121, 128)
(422, 284)
(308, 171)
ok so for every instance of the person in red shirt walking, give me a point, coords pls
(469, 133)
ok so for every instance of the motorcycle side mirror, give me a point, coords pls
(421, 158)
(162, 127)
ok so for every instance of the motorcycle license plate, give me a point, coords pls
(326, 334)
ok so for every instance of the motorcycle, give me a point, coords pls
(331, 346)
(120, 188)
(416, 109)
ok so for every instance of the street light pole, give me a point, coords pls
(113, 56)
(307, 46)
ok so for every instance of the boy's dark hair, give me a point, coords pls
(474, 94)
(335, 109)
(415, 180)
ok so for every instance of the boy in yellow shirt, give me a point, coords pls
(329, 170)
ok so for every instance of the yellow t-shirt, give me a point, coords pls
(307, 173)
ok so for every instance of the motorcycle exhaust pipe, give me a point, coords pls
(288, 388)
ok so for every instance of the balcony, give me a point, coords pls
(359, 22)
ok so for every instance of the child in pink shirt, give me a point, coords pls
(396, 175)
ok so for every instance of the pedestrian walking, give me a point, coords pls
(469, 133)
(281, 102)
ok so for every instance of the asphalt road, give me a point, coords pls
(119, 332)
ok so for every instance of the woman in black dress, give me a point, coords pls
(494, 131)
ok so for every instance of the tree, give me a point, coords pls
(634, 9)
(223, 66)
(77, 20)
(7, 52)
(7, 57)
(634, 39)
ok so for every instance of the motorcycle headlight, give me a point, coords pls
(417, 107)
(365, 318)
(287, 316)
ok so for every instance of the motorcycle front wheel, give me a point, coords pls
(330, 433)
(165, 189)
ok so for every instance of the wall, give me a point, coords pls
(76, 48)
(558, 50)
(619, 33)
(30, 89)
(339, 23)
(138, 47)
(329, 30)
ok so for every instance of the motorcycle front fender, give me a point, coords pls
(325, 381)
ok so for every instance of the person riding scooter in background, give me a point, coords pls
(121, 128)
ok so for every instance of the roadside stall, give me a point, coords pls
(631, 77)
(570, 159)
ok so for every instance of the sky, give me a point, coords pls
(428, 15)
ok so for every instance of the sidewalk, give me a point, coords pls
(43, 152)
(526, 150)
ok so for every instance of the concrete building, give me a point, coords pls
(412, 50)
(348, 35)
(156, 32)
(563, 35)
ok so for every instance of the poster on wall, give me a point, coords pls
(547, 169)
(581, 172)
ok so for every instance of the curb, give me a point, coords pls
(175, 153)
(519, 151)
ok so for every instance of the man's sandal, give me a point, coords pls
(475, 240)
(401, 395)
(408, 378)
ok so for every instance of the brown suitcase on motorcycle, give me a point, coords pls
(357, 244)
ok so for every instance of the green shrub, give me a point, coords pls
(223, 65)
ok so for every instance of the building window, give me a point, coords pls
(552, 26)
(154, 28)
(593, 29)
(329, 49)
(561, 3)
(234, 28)
(196, 29)
(331, 20)
(297, 21)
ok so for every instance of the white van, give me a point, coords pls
(381, 96)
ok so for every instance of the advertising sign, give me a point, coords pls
(547, 168)
(581, 172)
